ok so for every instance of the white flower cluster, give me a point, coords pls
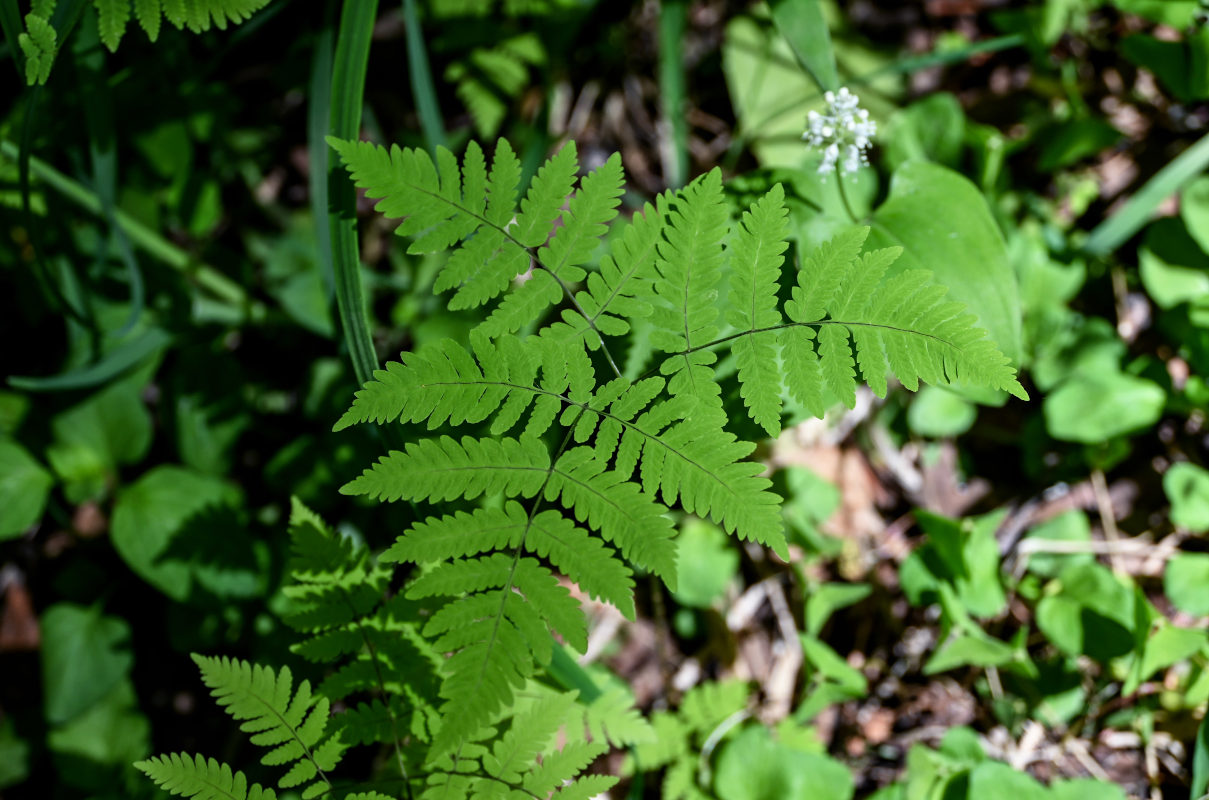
(843, 133)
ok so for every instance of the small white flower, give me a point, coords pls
(844, 130)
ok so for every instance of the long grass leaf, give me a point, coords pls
(422, 87)
(348, 86)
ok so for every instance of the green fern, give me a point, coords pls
(588, 466)
(205, 779)
(39, 42)
(291, 723)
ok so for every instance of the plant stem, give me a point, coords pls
(839, 177)
(147, 240)
(422, 88)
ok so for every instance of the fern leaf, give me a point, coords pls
(444, 469)
(112, 16)
(546, 196)
(690, 267)
(529, 735)
(618, 292)
(622, 513)
(291, 723)
(179, 773)
(584, 559)
(586, 788)
(562, 259)
(561, 766)
(755, 272)
(612, 718)
(900, 326)
(39, 44)
(149, 14)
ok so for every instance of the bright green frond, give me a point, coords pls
(755, 271)
(562, 765)
(690, 268)
(530, 734)
(39, 44)
(583, 558)
(612, 718)
(461, 534)
(112, 16)
(586, 788)
(547, 193)
(195, 776)
(264, 702)
(444, 469)
(901, 326)
(149, 14)
(623, 514)
(620, 290)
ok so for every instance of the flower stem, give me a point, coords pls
(839, 177)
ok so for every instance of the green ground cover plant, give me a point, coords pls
(699, 400)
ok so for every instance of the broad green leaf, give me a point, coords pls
(993, 780)
(95, 749)
(1094, 408)
(1176, 13)
(803, 25)
(1091, 613)
(24, 485)
(1174, 267)
(828, 598)
(1200, 761)
(1074, 140)
(175, 528)
(1070, 526)
(706, 564)
(943, 224)
(938, 412)
(1187, 489)
(84, 656)
(931, 129)
(91, 439)
(754, 767)
(976, 651)
(832, 666)
(1194, 211)
(1186, 583)
(1085, 789)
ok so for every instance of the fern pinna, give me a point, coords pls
(588, 403)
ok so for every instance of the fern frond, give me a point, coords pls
(440, 207)
(197, 15)
(624, 515)
(584, 222)
(529, 735)
(619, 291)
(690, 267)
(900, 326)
(612, 718)
(195, 776)
(39, 44)
(292, 724)
(755, 271)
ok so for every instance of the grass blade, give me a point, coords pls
(117, 361)
(674, 133)
(348, 86)
(1120, 227)
(318, 117)
(422, 86)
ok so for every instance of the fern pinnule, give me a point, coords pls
(201, 778)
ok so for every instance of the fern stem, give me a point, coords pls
(583, 313)
(839, 178)
(352, 61)
(784, 325)
(674, 133)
